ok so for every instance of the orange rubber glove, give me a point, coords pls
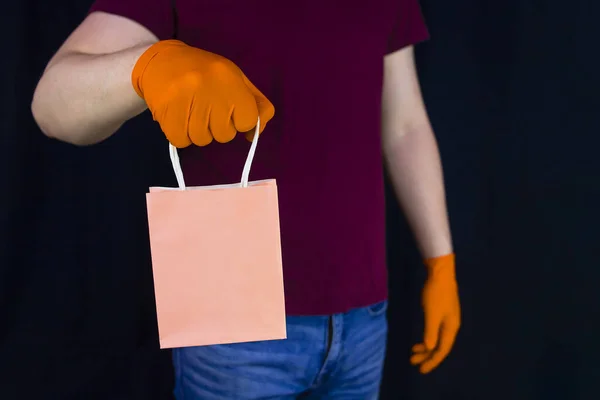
(197, 96)
(442, 314)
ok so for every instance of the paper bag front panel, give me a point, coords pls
(217, 266)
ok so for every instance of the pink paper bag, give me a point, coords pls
(216, 259)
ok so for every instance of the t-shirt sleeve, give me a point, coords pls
(409, 27)
(155, 15)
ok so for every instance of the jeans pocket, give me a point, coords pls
(377, 309)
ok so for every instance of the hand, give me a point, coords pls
(442, 314)
(197, 96)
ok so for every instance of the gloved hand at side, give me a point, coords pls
(441, 307)
(197, 96)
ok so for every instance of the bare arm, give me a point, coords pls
(85, 93)
(412, 156)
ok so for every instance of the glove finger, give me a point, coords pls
(173, 121)
(221, 126)
(433, 321)
(245, 111)
(198, 125)
(419, 348)
(418, 358)
(266, 110)
(250, 134)
(447, 338)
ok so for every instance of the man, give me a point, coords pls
(342, 80)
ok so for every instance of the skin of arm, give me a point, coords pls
(85, 93)
(412, 157)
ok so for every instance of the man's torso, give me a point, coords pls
(321, 64)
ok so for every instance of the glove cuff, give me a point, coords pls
(141, 64)
(441, 264)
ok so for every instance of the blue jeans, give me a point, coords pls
(324, 357)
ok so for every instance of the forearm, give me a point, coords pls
(415, 170)
(83, 99)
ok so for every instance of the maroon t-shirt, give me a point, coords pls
(321, 64)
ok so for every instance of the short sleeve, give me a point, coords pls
(156, 15)
(409, 27)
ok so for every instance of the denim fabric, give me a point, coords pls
(324, 357)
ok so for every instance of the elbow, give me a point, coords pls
(405, 133)
(45, 117)
(55, 125)
(47, 114)
(40, 116)
(51, 129)
(393, 137)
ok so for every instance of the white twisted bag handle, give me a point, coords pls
(245, 172)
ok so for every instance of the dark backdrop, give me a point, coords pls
(512, 89)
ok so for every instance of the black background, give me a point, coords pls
(512, 90)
